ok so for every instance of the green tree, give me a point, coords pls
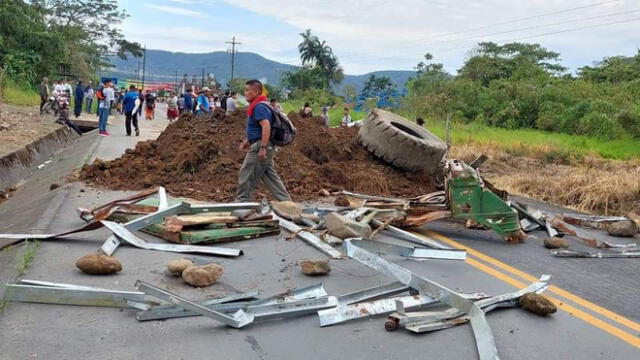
(316, 54)
(375, 86)
(349, 91)
(613, 69)
(492, 61)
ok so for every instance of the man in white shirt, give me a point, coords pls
(58, 88)
(104, 106)
(232, 105)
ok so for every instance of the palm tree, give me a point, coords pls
(316, 53)
(308, 48)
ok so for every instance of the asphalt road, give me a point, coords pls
(597, 318)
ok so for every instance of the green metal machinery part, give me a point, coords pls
(470, 199)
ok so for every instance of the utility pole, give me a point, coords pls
(202, 79)
(175, 83)
(233, 51)
(144, 64)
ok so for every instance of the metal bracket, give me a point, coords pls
(481, 330)
(123, 233)
(238, 320)
(71, 295)
(309, 238)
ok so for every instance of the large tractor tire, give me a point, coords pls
(401, 142)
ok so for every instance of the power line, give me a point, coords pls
(521, 38)
(498, 24)
(527, 28)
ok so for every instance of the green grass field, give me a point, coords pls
(18, 95)
(522, 142)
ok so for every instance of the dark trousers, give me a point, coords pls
(77, 108)
(43, 100)
(129, 117)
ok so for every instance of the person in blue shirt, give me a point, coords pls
(188, 101)
(130, 104)
(258, 164)
(202, 102)
(79, 98)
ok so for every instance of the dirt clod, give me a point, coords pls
(341, 201)
(99, 264)
(177, 266)
(555, 243)
(53, 186)
(538, 304)
(315, 267)
(198, 157)
(202, 275)
(623, 228)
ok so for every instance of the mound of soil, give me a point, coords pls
(198, 157)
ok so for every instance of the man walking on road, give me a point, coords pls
(130, 104)
(88, 95)
(258, 163)
(104, 107)
(43, 89)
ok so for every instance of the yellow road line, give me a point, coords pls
(621, 334)
(554, 289)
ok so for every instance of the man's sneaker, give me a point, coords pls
(137, 132)
(101, 133)
(106, 133)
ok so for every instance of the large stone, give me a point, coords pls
(538, 304)
(287, 209)
(315, 267)
(177, 266)
(623, 228)
(343, 227)
(202, 275)
(98, 264)
(555, 243)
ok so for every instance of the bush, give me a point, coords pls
(629, 120)
(599, 125)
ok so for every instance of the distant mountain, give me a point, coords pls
(165, 66)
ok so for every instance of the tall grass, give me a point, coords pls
(15, 94)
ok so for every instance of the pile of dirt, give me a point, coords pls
(198, 157)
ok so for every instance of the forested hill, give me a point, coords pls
(165, 66)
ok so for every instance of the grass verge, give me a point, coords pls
(26, 258)
(15, 94)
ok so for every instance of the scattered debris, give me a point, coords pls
(344, 228)
(177, 266)
(315, 267)
(597, 255)
(204, 275)
(626, 228)
(555, 243)
(99, 264)
(288, 210)
(54, 186)
(341, 201)
(538, 304)
(324, 192)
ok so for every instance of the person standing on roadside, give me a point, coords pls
(258, 163)
(346, 118)
(130, 103)
(232, 104)
(44, 92)
(223, 100)
(104, 107)
(78, 99)
(88, 95)
(325, 115)
(202, 102)
(306, 111)
(58, 88)
(150, 105)
(141, 97)
(172, 106)
(188, 101)
(181, 104)
(276, 105)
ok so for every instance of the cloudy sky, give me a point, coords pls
(369, 35)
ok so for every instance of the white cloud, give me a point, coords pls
(176, 11)
(379, 34)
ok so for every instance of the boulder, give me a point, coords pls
(177, 266)
(555, 243)
(99, 264)
(623, 228)
(343, 227)
(202, 275)
(287, 209)
(538, 304)
(314, 267)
